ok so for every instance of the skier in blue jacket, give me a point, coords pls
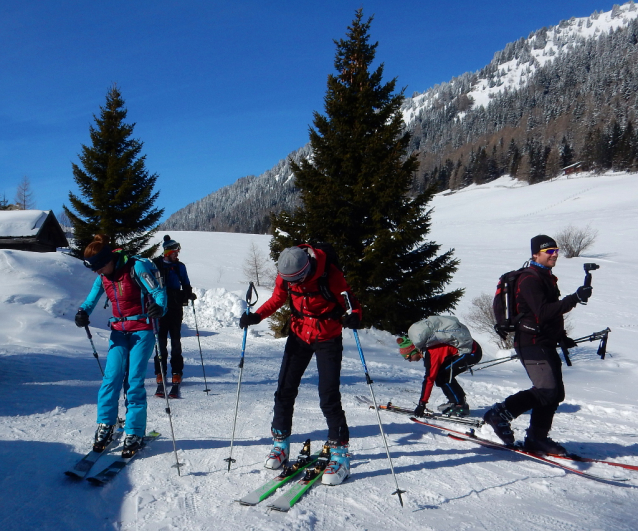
(137, 298)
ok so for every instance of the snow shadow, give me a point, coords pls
(37, 495)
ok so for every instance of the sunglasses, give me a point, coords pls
(554, 250)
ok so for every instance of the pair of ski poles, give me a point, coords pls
(369, 381)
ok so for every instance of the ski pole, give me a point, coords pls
(374, 400)
(249, 294)
(88, 333)
(168, 407)
(206, 389)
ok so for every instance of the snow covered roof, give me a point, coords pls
(21, 223)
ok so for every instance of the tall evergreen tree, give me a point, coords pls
(115, 184)
(354, 190)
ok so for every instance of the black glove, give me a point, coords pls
(419, 411)
(583, 293)
(81, 319)
(248, 319)
(352, 321)
(192, 296)
(154, 310)
(568, 342)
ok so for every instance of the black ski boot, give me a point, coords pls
(103, 436)
(454, 410)
(499, 418)
(542, 445)
(132, 443)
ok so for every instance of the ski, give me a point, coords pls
(311, 476)
(82, 467)
(108, 473)
(289, 472)
(466, 421)
(471, 437)
(581, 459)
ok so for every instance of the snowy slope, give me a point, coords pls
(50, 380)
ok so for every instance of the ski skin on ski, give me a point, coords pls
(84, 465)
(112, 470)
(304, 460)
(285, 502)
(471, 437)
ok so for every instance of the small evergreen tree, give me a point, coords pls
(115, 184)
(354, 192)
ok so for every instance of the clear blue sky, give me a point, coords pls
(218, 90)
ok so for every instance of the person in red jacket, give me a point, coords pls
(315, 328)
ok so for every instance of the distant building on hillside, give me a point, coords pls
(31, 230)
(573, 168)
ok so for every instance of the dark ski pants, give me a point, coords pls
(297, 355)
(543, 366)
(453, 366)
(171, 324)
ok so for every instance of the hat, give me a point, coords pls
(99, 260)
(406, 347)
(170, 246)
(540, 242)
(293, 264)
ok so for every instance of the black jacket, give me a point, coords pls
(538, 297)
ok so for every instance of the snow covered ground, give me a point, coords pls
(49, 381)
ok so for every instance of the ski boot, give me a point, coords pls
(444, 408)
(159, 392)
(280, 451)
(103, 436)
(454, 410)
(499, 418)
(542, 445)
(338, 468)
(175, 383)
(132, 444)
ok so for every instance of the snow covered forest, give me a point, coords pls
(564, 95)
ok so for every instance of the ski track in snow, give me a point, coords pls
(50, 383)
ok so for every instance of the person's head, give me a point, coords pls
(544, 250)
(98, 255)
(408, 350)
(294, 265)
(171, 249)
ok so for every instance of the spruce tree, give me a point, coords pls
(115, 184)
(355, 194)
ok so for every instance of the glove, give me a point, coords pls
(568, 342)
(419, 411)
(81, 319)
(192, 296)
(248, 319)
(352, 321)
(583, 293)
(154, 310)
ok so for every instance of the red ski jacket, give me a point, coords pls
(313, 317)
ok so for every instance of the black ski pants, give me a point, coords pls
(171, 324)
(297, 355)
(451, 368)
(543, 366)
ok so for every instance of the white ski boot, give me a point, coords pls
(338, 468)
(279, 453)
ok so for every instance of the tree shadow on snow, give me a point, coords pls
(36, 494)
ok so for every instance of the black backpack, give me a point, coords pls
(504, 304)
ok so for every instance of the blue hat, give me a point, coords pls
(170, 245)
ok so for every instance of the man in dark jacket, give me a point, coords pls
(535, 341)
(315, 328)
(179, 292)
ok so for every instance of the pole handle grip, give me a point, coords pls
(346, 298)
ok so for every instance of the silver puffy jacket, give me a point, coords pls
(438, 329)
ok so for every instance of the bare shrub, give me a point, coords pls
(258, 267)
(573, 241)
(481, 318)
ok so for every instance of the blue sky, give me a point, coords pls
(218, 90)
